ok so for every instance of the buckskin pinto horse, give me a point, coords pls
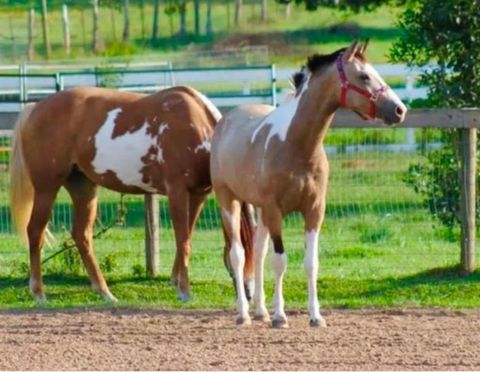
(275, 160)
(126, 142)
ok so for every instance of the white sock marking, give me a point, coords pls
(279, 264)
(311, 269)
(260, 251)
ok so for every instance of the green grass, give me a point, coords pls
(379, 247)
(289, 40)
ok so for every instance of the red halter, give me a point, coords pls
(346, 86)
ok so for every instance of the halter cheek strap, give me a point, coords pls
(346, 86)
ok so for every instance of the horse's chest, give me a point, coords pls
(300, 189)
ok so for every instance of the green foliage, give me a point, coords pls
(437, 182)
(448, 34)
(355, 5)
(138, 271)
(109, 263)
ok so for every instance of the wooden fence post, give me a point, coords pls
(467, 199)
(152, 230)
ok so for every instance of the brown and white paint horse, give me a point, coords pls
(127, 142)
(275, 160)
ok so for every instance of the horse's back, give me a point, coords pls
(125, 141)
(234, 150)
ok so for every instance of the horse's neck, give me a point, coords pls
(314, 116)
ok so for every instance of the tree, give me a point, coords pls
(238, 12)
(264, 10)
(46, 37)
(156, 16)
(355, 5)
(182, 12)
(208, 23)
(448, 34)
(97, 42)
(196, 5)
(126, 21)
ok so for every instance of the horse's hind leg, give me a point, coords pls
(41, 212)
(231, 210)
(184, 210)
(84, 197)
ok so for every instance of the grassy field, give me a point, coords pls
(379, 248)
(289, 40)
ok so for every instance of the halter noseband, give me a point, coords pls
(346, 86)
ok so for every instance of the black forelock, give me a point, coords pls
(314, 63)
(317, 61)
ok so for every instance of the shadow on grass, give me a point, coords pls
(443, 287)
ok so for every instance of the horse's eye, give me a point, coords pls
(364, 77)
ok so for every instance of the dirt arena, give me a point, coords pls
(209, 340)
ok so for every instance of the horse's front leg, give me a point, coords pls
(311, 269)
(259, 253)
(313, 221)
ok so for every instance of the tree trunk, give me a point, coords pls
(142, 19)
(182, 11)
(31, 28)
(227, 2)
(112, 20)
(156, 16)
(84, 29)
(46, 37)
(288, 10)
(126, 21)
(264, 11)
(208, 24)
(196, 4)
(66, 29)
(97, 43)
(12, 38)
(238, 12)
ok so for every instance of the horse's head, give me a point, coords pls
(363, 90)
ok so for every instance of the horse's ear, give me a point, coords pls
(350, 52)
(364, 47)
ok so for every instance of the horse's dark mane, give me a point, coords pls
(317, 61)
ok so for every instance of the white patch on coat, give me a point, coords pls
(163, 127)
(311, 269)
(123, 155)
(205, 145)
(211, 107)
(280, 119)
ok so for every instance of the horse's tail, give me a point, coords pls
(247, 232)
(21, 188)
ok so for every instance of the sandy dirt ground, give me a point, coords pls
(209, 340)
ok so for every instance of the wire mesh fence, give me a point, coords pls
(374, 218)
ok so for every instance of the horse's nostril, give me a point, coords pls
(399, 111)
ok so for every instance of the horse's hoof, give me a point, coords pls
(243, 321)
(109, 297)
(280, 323)
(40, 299)
(318, 323)
(265, 318)
(184, 296)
